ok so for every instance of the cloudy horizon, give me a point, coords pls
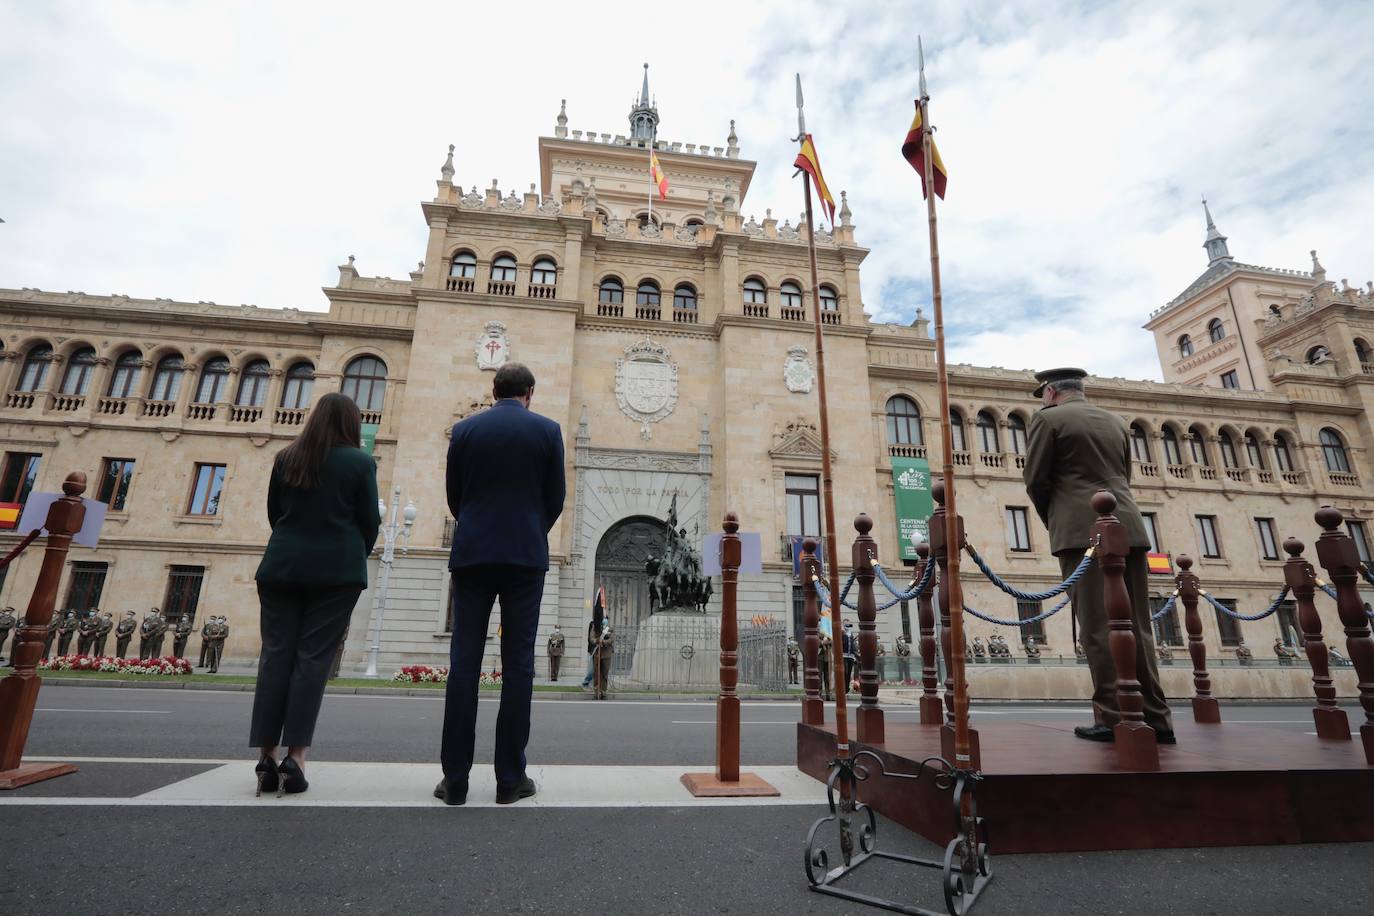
(240, 154)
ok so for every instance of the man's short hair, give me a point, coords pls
(1068, 384)
(513, 380)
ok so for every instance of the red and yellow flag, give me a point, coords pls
(9, 515)
(810, 163)
(1159, 564)
(914, 153)
(656, 173)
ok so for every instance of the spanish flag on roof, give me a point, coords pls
(810, 163)
(914, 153)
(1159, 564)
(656, 173)
(9, 515)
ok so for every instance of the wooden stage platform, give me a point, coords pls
(1046, 791)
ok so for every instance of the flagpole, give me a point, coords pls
(653, 139)
(952, 546)
(827, 482)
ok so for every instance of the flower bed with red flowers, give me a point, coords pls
(165, 667)
(429, 674)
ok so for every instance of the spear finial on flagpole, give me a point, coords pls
(921, 61)
(801, 115)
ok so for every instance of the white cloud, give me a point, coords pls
(239, 153)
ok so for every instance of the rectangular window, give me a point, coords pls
(1026, 610)
(88, 581)
(115, 477)
(1288, 624)
(1228, 626)
(183, 592)
(1207, 539)
(1166, 627)
(803, 504)
(1230, 379)
(1018, 529)
(209, 481)
(1357, 534)
(18, 476)
(1152, 530)
(1269, 545)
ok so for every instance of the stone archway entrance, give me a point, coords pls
(620, 568)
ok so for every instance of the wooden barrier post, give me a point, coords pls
(1206, 710)
(939, 550)
(1341, 560)
(813, 707)
(19, 691)
(925, 614)
(1136, 747)
(865, 551)
(1301, 579)
(727, 779)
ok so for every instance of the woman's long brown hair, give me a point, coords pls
(334, 421)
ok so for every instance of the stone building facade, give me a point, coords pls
(674, 346)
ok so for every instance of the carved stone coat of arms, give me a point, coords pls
(797, 372)
(493, 347)
(646, 384)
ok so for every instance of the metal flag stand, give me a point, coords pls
(966, 865)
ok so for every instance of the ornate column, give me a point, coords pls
(1206, 710)
(865, 551)
(813, 707)
(1340, 559)
(925, 613)
(1299, 576)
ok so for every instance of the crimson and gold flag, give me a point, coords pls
(914, 153)
(810, 163)
(656, 173)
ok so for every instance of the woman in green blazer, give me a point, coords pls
(322, 506)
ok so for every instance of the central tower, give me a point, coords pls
(644, 114)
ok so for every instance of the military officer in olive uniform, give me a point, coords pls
(555, 650)
(53, 623)
(147, 635)
(824, 657)
(103, 626)
(604, 652)
(793, 659)
(7, 623)
(180, 634)
(903, 658)
(65, 632)
(1075, 449)
(86, 630)
(124, 632)
(219, 632)
(205, 642)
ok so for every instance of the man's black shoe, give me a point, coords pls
(1097, 732)
(451, 792)
(505, 795)
(1165, 736)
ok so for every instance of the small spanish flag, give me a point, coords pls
(810, 163)
(656, 172)
(9, 515)
(913, 152)
(1159, 564)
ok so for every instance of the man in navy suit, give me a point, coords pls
(505, 490)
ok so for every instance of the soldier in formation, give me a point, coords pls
(205, 642)
(7, 623)
(180, 634)
(65, 631)
(555, 650)
(150, 635)
(903, 657)
(604, 652)
(124, 632)
(1285, 653)
(1032, 648)
(219, 632)
(823, 661)
(793, 658)
(53, 623)
(86, 630)
(103, 627)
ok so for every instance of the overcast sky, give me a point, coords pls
(238, 152)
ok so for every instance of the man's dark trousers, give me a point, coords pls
(475, 588)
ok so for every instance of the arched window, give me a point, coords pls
(646, 218)
(365, 382)
(1318, 354)
(1016, 428)
(253, 385)
(167, 378)
(1228, 450)
(1283, 455)
(214, 379)
(1185, 346)
(1172, 453)
(1361, 352)
(791, 295)
(956, 431)
(1333, 450)
(693, 221)
(80, 368)
(35, 371)
(611, 291)
(830, 301)
(464, 265)
(1140, 443)
(295, 394)
(684, 297)
(647, 293)
(503, 269)
(1253, 450)
(987, 434)
(903, 421)
(1214, 330)
(755, 293)
(1197, 443)
(127, 369)
(544, 271)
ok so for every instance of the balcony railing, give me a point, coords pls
(289, 416)
(648, 312)
(610, 310)
(1206, 473)
(65, 403)
(1367, 368)
(1264, 476)
(113, 407)
(1236, 474)
(543, 291)
(756, 309)
(459, 284)
(501, 287)
(793, 314)
(830, 317)
(991, 460)
(906, 450)
(201, 411)
(685, 316)
(19, 400)
(372, 416)
(1020, 461)
(159, 408)
(963, 459)
(1147, 468)
(1295, 478)
(1342, 479)
(241, 414)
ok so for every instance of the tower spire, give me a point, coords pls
(644, 114)
(644, 94)
(1215, 245)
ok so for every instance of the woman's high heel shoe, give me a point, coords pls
(292, 777)
(268, 778)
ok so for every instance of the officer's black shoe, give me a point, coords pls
(505, 795)
(451, 792)
(1097, 732)
(1165, 736)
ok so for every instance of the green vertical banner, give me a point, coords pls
(370, 436)
(914, 504)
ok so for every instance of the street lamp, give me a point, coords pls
(389, 533)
